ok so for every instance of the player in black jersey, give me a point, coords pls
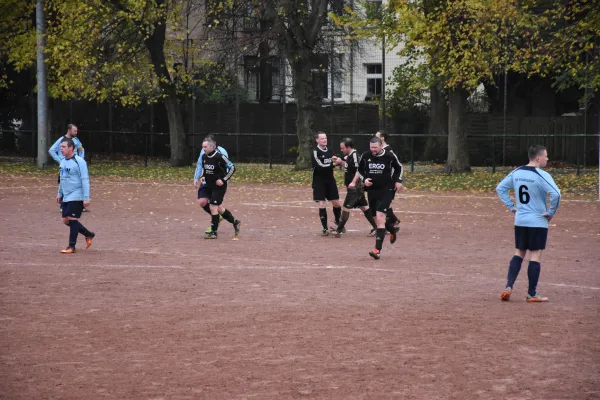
(217, 170)
(381, 172)
(355, 198)
(383, 135)
(323, 181)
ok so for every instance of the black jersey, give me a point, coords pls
(322, 163)
(387, 147)
(350, 167)
(216, 166)
(384, 169)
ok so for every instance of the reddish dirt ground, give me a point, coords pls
(153, 311)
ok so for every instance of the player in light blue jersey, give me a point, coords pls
(203, 195)
(73, 193)
(55, 153)
(532, 215)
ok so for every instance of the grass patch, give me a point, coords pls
(430, 179)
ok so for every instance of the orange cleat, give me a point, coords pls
(375, 254)
(505, 295)
(88, 240)
(68, 250)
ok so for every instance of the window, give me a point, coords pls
(251, 77)
(374, 80)
(319, 69)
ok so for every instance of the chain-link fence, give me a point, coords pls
(579, 150)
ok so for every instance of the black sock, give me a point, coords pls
(206, 208)
(380, 238)
(533, 273)
(389, 226)
(227, 216)
(343, 220)
(391, 216)
(323, 216)
(84, 231)
(214, 222)
(73, 232)
(369, 217)
(337, 211)
(514, 267)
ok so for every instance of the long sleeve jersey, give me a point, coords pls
(216, 166)
(55, 153)
(199, 170)
(322, 164)
(74, 179)
(384, 169)
(531, 186)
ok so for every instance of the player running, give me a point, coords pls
(355, 197)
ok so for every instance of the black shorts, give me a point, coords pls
(72, 209)
(530, 238)
(214, 195)
(325, 189)
(381, 199)
(355, 198)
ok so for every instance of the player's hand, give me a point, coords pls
(59, 199)
(335, 159)
(368, 182)
(195, 184)
(219, 182)
(352, 185)
(514, 210)
(86, 203)
(548, 217)
(398, 186)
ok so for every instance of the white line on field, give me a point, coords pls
(301, 266)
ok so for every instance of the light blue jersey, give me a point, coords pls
(531, 186)
(74, 180)
(199, 166)
(57, 155)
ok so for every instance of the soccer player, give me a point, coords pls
(355, 197)
(383, 135)
(73, 193)
(381, 172)
(55, 153)
(202, 192)
(532, 215)
(323, 181)
(216, 171)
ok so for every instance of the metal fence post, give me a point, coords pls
(90, 147)
(577, 151)
(493, 153)
(412, 154)
(270, 151)
(145, 149)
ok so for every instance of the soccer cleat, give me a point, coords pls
(209, 229)
(336, 234)
(536, 299)
(376, 254)
(373, 232)
(236, 226)
(505, 295)
(211, 235)
(393, 237)
(84, 210)
(88, 240)
(325, 232)
(69, 250)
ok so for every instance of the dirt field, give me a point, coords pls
(153, 311)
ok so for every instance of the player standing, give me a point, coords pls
(323, 181)
(216, 172)
(355, 197)
(73, 193)
(54, 150)
(381, 172)
(532, 215)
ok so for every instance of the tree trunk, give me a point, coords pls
(155, 44)
(436, 148)
(458, 149)
(307, 104)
